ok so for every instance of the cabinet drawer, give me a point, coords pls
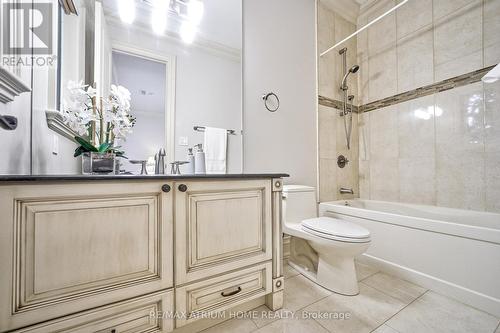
(142, 314)
(75, 247)
(223, 292)
(221, 226)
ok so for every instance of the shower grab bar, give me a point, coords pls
(202, 129)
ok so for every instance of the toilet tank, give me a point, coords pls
(299, 203)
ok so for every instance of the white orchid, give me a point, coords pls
(77, 109)
(114, 115)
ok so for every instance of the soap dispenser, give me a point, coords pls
(191, 162)
(199, 160)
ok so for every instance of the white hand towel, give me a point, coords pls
(215, 150)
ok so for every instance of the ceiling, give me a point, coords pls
(221, 23)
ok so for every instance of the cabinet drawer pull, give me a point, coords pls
(183, 188)
(165, 188)
(231, 293)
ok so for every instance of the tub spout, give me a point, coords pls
(344, 190)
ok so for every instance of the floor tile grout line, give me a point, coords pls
(299, 309)
(385, 322)
(366, 277)
(387, 294)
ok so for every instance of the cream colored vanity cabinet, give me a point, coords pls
(70, 247)
(224, 241)
(98, 255)
(221, 226)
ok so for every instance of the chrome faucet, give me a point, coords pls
(344, 190)
(160, 162)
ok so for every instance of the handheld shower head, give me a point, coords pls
(352, 70)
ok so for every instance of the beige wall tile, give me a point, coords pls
(492, 117)
(460, 120)
(364, 179)
(384, 141)
(328, 71)
(384, 178)
(416, 128)
(417, 180)
(382, 35)
(327, 119)
(460, 180)
(493, 182)
(445, 7)
(382, 68)
(465, 64)
(364, 136)
(457, 37)
(413, 16)
(326, 27)
(415, 60)
(491, 30)
(328, 179)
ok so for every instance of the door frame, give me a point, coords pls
(170, 70)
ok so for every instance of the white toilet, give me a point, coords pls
(336, 241)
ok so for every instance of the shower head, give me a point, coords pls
(353, 70)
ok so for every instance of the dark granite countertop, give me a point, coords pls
(55, 178)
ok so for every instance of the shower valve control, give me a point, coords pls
(342, 161)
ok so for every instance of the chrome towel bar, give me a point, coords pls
(202, 129)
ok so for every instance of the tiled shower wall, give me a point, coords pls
(442, 149)
(332, 28)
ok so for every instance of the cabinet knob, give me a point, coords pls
(183, 187)
(165, 188)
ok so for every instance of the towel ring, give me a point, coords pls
(266, 97)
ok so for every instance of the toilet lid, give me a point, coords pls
(335, 227)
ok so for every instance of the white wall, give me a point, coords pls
(15, 153)
(30, 146)
(208, 90)
(280, 56)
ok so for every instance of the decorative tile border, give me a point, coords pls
(434, 88)
(430, 89)
(333, 103)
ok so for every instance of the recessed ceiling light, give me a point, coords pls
(188, 32)
(159, 16)
(195, 9)
(126, 9)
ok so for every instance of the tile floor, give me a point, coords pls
(385, 304)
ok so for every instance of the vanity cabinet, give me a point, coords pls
(98, 256)
(77, 246)
(221, 226)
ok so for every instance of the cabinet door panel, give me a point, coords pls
(221, 226)
(148, 313)
(75, 247)
(223, 292)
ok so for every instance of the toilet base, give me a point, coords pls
(339, 278)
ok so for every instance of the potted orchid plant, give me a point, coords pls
(100, 124)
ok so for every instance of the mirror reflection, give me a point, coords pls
(178, 66)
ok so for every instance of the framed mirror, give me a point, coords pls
(180, 60)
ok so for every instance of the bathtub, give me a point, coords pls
(452, 251)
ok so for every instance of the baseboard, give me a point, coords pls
(470, 297)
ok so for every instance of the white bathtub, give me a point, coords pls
(455, 252)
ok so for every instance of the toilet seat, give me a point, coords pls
(336, 229)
